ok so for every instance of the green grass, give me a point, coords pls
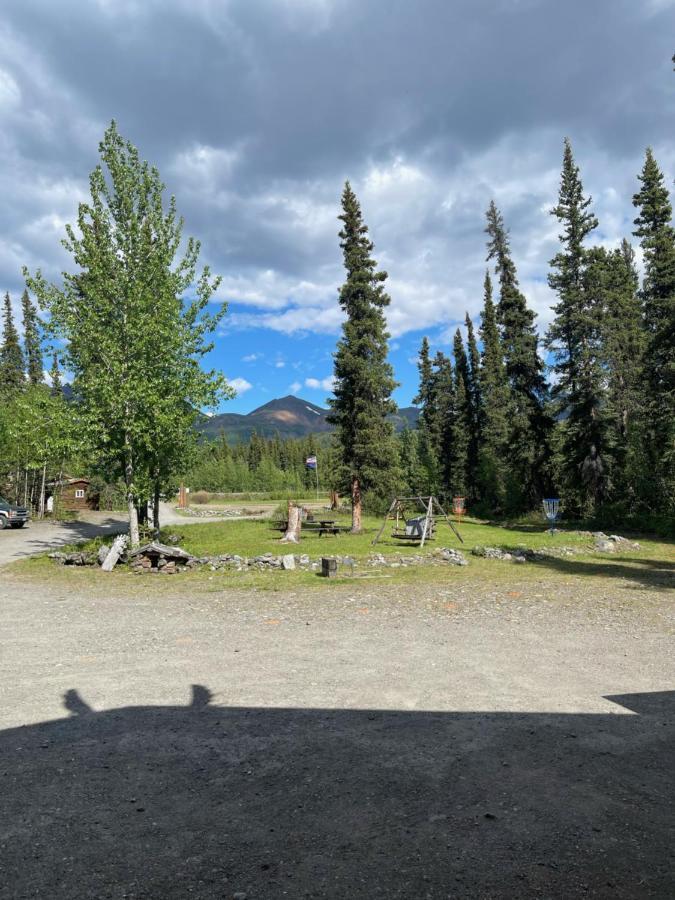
(651, 567)
(254, 538)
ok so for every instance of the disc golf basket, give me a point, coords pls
(459, 507)
(551, 508)
(415, 520)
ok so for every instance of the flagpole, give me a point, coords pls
(317, 478)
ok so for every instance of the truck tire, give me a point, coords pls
(3, 523)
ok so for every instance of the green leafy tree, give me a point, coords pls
(655, 229)
(133, 343)
(575, 338)
(31, 340)
(530, 424)
(11, 358)
(492, 473)
(364, 378)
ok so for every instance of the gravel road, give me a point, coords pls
(160, 741)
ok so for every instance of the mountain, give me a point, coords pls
(289, 417)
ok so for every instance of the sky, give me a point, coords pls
(257, 111)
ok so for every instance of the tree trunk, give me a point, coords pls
(155, 509)
(294, 525)
(134, 537)
(42, 492)
(356, 506)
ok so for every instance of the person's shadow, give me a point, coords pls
(205, 801)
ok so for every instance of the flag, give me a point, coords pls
(310, 462)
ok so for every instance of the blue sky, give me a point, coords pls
(269, 364)
(256, 111)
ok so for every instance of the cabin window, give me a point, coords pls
(79, 494)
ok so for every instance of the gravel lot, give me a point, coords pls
(455, 741)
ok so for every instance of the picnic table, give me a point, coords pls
(323, 526)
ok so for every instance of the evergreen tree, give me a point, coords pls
(623, 341)
(493, 452)
(530, 425)
(474, 409)
(413, 472)
(364, 379)
(11, 358)
(429, 424)
(31, 340)
(55, 377)
(655, 229)
(574, 337)
(457, 419)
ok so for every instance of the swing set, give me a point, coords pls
(418, 528)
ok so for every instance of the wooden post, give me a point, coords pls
(427, 521)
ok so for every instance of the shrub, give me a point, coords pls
(200, 497)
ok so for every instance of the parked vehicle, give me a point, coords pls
(12, 516)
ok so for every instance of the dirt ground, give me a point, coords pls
(175, 740)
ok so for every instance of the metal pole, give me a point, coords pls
(317, 478)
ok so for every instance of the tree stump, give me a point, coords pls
(292, 535)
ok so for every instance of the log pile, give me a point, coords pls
(160, 558)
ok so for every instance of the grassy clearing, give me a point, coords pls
(253, 538)
(651, 567)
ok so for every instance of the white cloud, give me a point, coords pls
(279, 364)
(295, 387)
(251, 357)
(322, 384)
(241, 385)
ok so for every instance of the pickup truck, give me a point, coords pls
(12, 516)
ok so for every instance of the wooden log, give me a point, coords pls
(116, 551)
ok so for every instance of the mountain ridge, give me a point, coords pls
(289, 417)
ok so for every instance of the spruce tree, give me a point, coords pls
(623, 341)
(655, 229)
(474, 408)
(364, 379)
(530, 424)
(55, 377)
(574, 338)
(31, 340)
(429, 424)
(495, 395)
(457, 420)
(11, 358)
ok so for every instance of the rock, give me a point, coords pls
(103, 551)
(288, 562)
(454, 557)
(604, 545)
(519, 559)
(304, 560)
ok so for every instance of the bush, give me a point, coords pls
(200, 497)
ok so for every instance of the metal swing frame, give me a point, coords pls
(428, 505)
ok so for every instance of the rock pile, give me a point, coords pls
(610, 544)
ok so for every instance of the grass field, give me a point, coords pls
(653, 565)
(253, 538)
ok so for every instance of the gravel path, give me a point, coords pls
(372, 742)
